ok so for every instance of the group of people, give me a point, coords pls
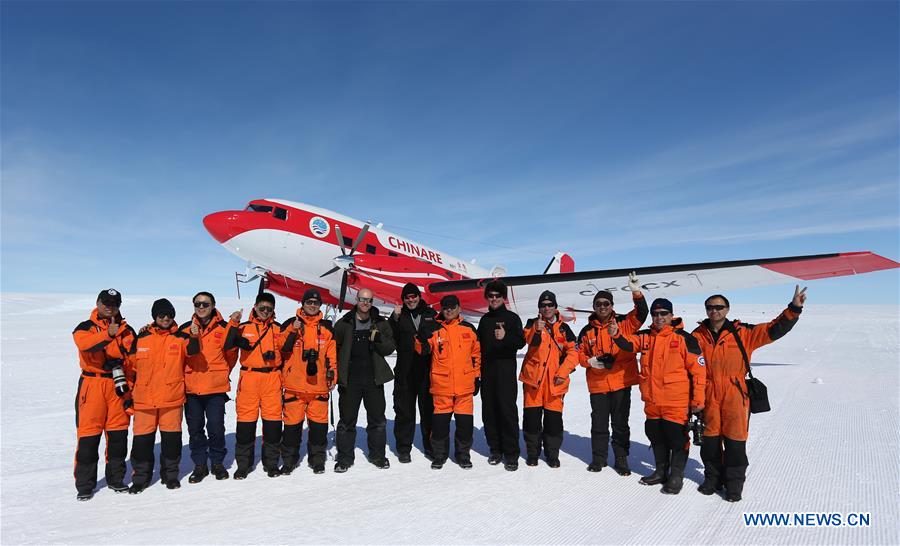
(164, 373)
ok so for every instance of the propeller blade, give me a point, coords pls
(340, 238)
(359, 238)
(262, 285)
(343, 291)
(335, 268)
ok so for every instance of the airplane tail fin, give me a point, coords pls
(561, 263)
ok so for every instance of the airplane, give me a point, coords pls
(296, 246)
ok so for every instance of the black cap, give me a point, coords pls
(410, 288)
(661, 303)
(449, 302)
(311, 294)
(547, 295)
(495, 286)
(208, 295)
(265, 296)
(603, 294)
(162, 307)
(110, 297)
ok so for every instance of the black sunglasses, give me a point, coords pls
(660, 313)
(494, 296)
(547, 305)
(265, 309)
(715, 307)
(364, 300)
(312, 302)
(202, 304)
(602, 304)
(164, 315)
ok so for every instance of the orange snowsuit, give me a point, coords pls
(551, 353)
(209, 371)
(97, 406)
(594, 340)
(157, 365)
(307, 395)
(727, 411)
(673, 372)
(259, 387)
(455, 365)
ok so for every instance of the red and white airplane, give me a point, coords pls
(295, 246)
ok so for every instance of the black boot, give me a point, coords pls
(244, 448)
(291, 439)
(218, 470)
(270, 447)
(657, 437)
(735, 469)
(711, 455)
(676, 472)
(621, 466)
(200, 471)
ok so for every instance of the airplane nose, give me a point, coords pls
(223, 225)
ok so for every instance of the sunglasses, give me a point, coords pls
(265, 309)
(660, 313)
(715, 307)
(110, 305)
(202, 304)
(411, 297)
(364, 300)
(494, 296)
(164, 315)
(602, 304)
(312, 302)
(450, 308)
(548, 305)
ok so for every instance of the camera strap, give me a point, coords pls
(260, 338)
(740, 344)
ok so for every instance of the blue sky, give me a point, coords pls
(626, 134)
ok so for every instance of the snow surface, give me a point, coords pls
(829, 445)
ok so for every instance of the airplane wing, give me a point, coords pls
(574, 291)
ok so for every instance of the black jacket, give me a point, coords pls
(382, 346)
(405, 335)
(493, 350)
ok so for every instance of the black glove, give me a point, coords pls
(477, 386)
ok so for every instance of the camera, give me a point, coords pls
(311, 356)
(112, 363)
(329, 376)
(697, 426)
(119, 380)
(607, 359)
(268, 355)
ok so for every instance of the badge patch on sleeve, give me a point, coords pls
(701, 361)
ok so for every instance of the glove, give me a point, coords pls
(634, 284)
(477, 386)
(595, 363)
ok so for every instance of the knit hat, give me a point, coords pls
(603, 294)
(410, 288)
(161, 308)
(449, 302)
(311, 294)
(495, 286)
(265, 296)
(547, 295)
(661, 303)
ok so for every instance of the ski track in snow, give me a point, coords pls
(825, 447)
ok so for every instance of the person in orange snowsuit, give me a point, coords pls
(728, 346)
(672, 381)
(550, 358)
(310, 373)
(611, 372)
(260, 387)
(207, 382)
(103, 343)
(157, 367)
(455, 380)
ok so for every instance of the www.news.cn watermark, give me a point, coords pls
(806, 519)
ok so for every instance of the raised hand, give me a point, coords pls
(195, 328)
(613, 327)
(799, 296)
(113, 328)
(499, 331)
(236, 316)
(634, 284)
(397, 310)
(539, 325)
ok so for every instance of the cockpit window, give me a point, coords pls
(280, 213)
(259, 208)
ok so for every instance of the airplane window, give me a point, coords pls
(280, 213)
(259, 208)
(348, 242)
(370, 249)
(449, 275)
(392, 253)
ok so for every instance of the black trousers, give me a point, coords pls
(87, 457)
(411, 389)
(548, 433)
(611, 408)
(499, 413)
(462, 440)
(725, 462)
(143, 459)
(350, 397)
(245, 444)
(205, 416)
(291, 438)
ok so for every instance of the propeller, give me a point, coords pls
(249, 275)
(345, 260)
